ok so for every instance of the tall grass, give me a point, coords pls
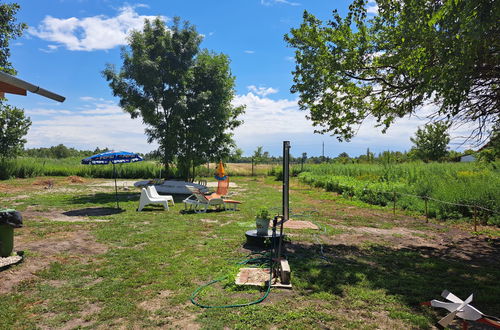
(449, 186)
(26, 167)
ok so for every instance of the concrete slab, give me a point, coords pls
(299, 224)
(119, 183)
(258, 277)
(252, 276)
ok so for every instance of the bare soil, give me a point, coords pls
(80, 215)
(80, 245)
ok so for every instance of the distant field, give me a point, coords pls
(245, 169)
(27, 167)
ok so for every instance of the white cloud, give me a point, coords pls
(249, 51)
(91, 99)
(267, 122)
(103, 108)
(272, 2)
(46, 112)
(290, 58)
(107, 129)
(372, 7)
(91, 33)
(262, 91)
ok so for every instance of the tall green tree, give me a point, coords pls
(13, 127)
(9, 29)
(181, 93)
(258, 155)
(387, 66)
(431, 142)
(13, 123)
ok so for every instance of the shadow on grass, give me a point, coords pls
(93, 211)
(210, 210)
(103, 198)
(413, 275)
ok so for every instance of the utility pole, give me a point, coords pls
(323, 153)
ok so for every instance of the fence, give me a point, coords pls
(479, 207)
(426, 199)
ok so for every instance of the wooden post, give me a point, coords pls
(252, 167)
(394, 203)
(475, 218)
(426, 210)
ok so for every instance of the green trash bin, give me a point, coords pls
(9, 219)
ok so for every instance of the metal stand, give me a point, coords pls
(280, 270)
(116, 188)
(281, 267)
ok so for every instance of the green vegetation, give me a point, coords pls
(182, 94)
(9, 29)
(14, 126)
(263, 213)
(28, 167)
(138, 270)
(431, 142)
(456, 183)
(390, 65)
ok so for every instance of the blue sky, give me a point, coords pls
(69, 43)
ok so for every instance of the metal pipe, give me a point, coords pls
(286, 183)
(286, 179)
(7, 78)
(116, 188)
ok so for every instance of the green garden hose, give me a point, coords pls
(247, 261)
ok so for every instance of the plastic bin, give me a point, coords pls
(9, 219)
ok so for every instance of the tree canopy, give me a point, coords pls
(411, 54)
(8, 30)
(182, 93)
(431, 142)
(13, 127)
(13, 124)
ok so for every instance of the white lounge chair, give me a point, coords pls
(199, 202)
(154, 193)
(146, 199)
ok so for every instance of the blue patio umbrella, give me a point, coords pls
(113, 157)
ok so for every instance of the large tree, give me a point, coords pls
(182, 93)
(431, 142)
(413, 53)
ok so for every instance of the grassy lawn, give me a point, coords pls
(88, 266)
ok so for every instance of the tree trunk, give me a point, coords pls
(194, 169)
(167, 169)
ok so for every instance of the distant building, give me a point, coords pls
(467, 158)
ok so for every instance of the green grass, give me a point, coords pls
(156, 259)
